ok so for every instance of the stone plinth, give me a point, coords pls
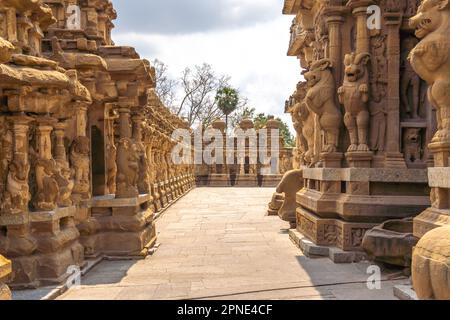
(219, 180)
(271, 180)
(42, 246)
(338, 206)
(434, 217)
(119, 227)
(5, 271)
(246, 180)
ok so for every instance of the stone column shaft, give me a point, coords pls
(393, 21)
(60, 150)
(335, 45)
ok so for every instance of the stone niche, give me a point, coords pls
(362, 119)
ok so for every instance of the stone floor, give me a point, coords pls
(218, 243)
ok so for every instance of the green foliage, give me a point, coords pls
(227, 100)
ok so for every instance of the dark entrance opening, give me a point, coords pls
(98, 162)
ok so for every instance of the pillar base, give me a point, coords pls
(42, 246)
(359, 159)
(119, 227)
(312, 250)
(347, 236)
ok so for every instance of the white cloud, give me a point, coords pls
(255, 57)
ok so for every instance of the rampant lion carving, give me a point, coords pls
(354, 95)
(128, 167)
(431, 58)
(320, 99)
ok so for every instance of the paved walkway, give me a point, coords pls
(218, 243)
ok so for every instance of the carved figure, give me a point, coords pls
(291, 183)
(79, 158)
(47, 187)
(111, 167)
(144, 167)
(410, 82)
(17, 189)
(320, 100)
(64, 178)
(431, 58)
(354, 95)
(128, 167)
(412, 145)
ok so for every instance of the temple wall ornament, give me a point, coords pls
(430, 59)
(320, 99)
(354, 95)
(364, 98)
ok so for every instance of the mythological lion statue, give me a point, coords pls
(79, 159)
(17, 189)
(47, 187)
(291, 183)
(320, 100)
(128, 167)
(431, 58)
(431, 61)
(354, 95)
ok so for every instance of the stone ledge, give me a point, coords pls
(110, 201)
(405, 292)
(396, 175)
(44, 216)
(336, 255)
(439, 177)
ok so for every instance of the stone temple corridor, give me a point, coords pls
(218, 243)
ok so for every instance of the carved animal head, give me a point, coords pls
(412, 136)
(317, 72)
(356, 66)
(81, 145)
(429, 17)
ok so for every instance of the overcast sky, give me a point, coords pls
(245, 39)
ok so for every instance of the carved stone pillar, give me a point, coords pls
(144, 179)
(394, 157)
(124, 123)
(81, 119)
(47, 192)
(60, 149)
(335, 22)
(362, 32)
(17, 189)
(44, 141)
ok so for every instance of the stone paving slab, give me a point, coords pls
(218, 243)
